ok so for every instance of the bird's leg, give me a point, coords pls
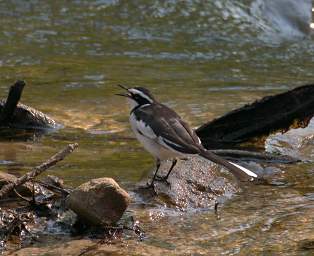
(165, 178)
(155, 175)
(174, 162)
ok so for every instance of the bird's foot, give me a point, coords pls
(163, 179)
(149, 188)
(149, 185)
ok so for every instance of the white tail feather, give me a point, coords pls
(247, 171)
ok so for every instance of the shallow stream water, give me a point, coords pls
(202, 58)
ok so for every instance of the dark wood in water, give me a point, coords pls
(15, 116)
(13, 99)
(291, 109)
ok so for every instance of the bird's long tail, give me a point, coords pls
(238, 171)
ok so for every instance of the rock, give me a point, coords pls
(18, 121)
(15, 115)
(54, 181)
(25, 190)
(99, 201)
(25, 117)
(193, 183)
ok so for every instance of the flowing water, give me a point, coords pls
(203, 58)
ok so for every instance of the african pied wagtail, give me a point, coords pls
(166, 136)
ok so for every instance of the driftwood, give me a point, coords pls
(292, 109)
(17, 115)
(38, 170)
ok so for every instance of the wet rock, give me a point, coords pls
(25, 117)
(25, 190)
(54, 181)
(193, 183)
(20, 121)
(100, 201)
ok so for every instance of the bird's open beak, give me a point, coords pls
(123, 94)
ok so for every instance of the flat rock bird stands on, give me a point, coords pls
(165, 135)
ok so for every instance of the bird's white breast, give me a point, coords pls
(150, 140)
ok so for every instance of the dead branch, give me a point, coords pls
(38, 169)
(53, 188)
(252, 123)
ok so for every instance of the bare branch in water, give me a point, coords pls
(38, 169)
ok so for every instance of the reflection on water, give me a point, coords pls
(202, 58)
(296, 142)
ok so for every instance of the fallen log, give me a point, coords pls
(16, 115)
(278, 113)
(38, 170)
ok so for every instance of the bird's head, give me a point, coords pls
(137, 96)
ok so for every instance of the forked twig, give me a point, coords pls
(38, 169)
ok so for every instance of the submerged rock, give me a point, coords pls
(193, 183)
(100, 201)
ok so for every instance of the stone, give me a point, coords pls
(99, 201)
(193, 183)
(27, 117)
(54, 181)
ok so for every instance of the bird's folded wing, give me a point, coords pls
(168, 128)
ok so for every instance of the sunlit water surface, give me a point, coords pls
(203, 58)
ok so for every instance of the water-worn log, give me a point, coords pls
(271, 114)
(16, 115)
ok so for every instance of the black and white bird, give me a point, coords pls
(165, 135)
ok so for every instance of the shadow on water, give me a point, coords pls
(201, 58)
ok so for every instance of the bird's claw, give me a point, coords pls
(162, 179)
(150, 185)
